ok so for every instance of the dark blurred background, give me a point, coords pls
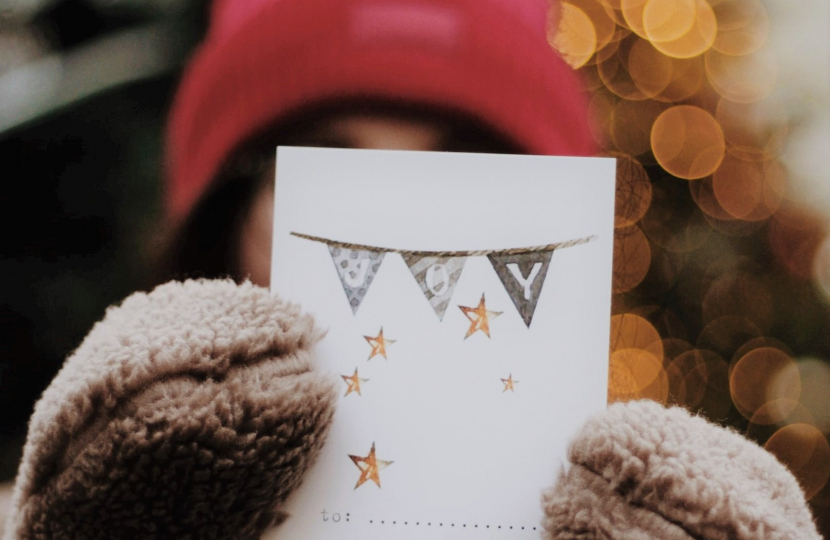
(720, 121)
(84, 91)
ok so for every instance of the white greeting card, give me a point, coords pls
(467, 303)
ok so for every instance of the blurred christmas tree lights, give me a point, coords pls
(720, 281)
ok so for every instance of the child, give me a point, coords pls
(193, 411)
(460, 75)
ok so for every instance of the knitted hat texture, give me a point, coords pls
(264, 59)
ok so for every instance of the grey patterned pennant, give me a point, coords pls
(522, 276)
(437, 277)
(357, 269)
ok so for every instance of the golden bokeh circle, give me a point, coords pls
(601, 110)
(636, 374)
(629, 331)
(668, 20)
(754, 131)
(777, 408)
(761, 376)
(574, 38)
(778, 412)
(651, 71)
(633, 191)
(604, 26)
(698, 39)
(742, 79)
(749, 190)
(632, 12)
(805, 451)
(757, 343)
(687, 78)
(743, 26)
(614, 71)
(687, 142)
(632, 257)
(698, 380)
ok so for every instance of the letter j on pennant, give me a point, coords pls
(357, 269)
(522, 275)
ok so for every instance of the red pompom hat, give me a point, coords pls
(263, 59)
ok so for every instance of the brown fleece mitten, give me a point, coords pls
(190, 412)
(640, 471)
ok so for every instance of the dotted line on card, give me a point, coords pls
(451, 525)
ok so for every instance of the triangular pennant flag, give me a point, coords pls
(437, 277)
(522, 276)
(357, 269)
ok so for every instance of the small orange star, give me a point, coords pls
(479, 317)
(354, 383)
(378, 344)
(508, 384)
(369, 467)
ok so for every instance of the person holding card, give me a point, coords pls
(457, 75)
(194, 411)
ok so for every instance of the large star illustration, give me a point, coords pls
(354, 383)
(378, 344)
(479, 318)
(369, 467)
(508, 383)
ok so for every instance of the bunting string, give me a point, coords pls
(522, 271)
(474, 253)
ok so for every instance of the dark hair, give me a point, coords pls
(207, 243)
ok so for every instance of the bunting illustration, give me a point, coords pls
(522, 271)
(437, 277)
(357, 269)
(522, 276)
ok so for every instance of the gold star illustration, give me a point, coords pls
(354, 383)
(479, 317)
(508, 384)
(378, 344)
(369, 467)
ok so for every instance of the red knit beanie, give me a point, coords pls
(263, 59)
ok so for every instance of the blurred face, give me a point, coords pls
(341, 131)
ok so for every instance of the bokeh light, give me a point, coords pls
(749, 190)
(753, 131)
(629, 331)
(688, 142)
(697, 39)
(742, 79)
(805, 451)
(721, 283)
(761, 376)
(633, 191)
(668, 20)
(632, 257)
(743, 26)
(575, 39)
